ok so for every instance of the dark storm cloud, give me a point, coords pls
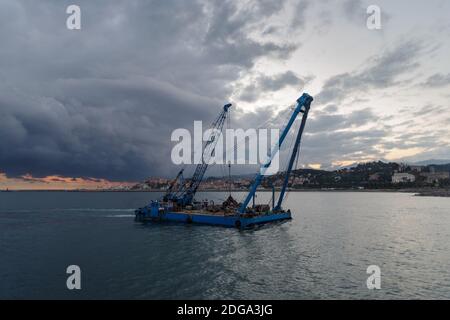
(380, 72)
(103, 101)
(81, 134)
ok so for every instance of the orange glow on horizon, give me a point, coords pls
(57, 182)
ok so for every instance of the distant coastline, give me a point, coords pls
(421, 180)
(423, 192)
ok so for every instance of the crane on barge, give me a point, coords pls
(184, 196)
(303, 106)
(177, 205)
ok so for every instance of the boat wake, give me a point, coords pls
(69, 210)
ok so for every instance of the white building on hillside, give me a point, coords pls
(403, 178)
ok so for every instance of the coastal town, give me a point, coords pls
(365, 176)
(432, 179)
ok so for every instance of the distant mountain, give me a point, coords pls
(430, 162)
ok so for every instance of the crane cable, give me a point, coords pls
(283, 115)
(262, 125)
(291, 138)
(297, 156)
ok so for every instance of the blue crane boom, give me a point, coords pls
(303, 105)
(168, 195)
(305, 112)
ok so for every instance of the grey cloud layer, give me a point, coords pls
(382, 71)
(264, 84)
(438, 80)
(103, 101)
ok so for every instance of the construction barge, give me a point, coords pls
(178, 204)
(200, 214)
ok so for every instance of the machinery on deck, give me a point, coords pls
(178, 203)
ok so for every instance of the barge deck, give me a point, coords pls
(157, 213)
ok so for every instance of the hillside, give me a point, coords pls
(371, 175)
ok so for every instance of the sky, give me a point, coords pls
(96, 107)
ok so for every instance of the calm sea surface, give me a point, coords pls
(322, 253)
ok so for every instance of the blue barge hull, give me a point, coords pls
(154, 213)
